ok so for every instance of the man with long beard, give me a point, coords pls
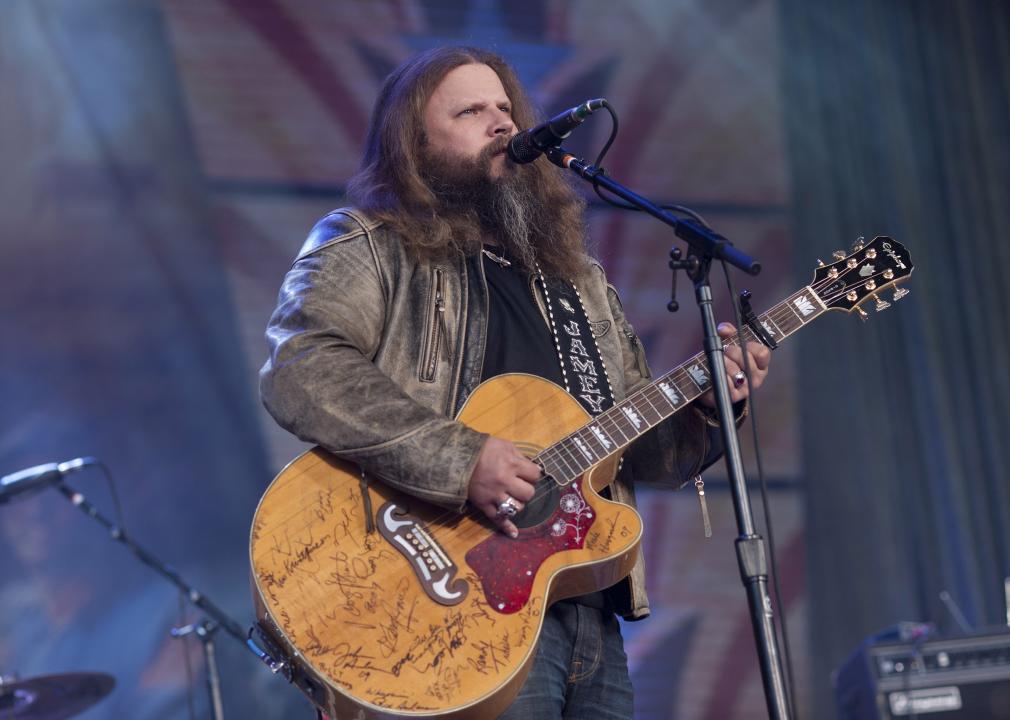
(452, 269)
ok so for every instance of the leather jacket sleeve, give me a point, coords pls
(320, 383)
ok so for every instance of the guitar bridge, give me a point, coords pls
(434, 569)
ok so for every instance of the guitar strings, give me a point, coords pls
(572, 464)
(778, 314)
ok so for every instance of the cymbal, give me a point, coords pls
(53, 697)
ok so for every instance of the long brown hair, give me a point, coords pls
(391, 187)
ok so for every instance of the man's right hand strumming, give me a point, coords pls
(503, 478)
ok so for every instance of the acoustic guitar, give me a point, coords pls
(379, 605)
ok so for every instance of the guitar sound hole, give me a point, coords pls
(541, 507)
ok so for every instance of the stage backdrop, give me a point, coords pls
(163, 161)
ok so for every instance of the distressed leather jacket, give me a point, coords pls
(373, 352)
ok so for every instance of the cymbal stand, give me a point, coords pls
(205, 630)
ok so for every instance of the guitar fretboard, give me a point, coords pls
(616, 428)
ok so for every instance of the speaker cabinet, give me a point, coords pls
(965, 678)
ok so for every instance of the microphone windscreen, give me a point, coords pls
(522, 150)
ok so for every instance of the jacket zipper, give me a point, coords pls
(638, 352)
(436, 330)
(456, 366)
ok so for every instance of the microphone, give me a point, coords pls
(39, 477)
(528, 145)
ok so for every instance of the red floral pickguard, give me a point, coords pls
(507, 567)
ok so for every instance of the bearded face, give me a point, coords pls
(506, 209)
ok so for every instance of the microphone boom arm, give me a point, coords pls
(703, 241)
(196, 597)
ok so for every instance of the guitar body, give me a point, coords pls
(425, 612)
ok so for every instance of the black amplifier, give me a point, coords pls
(963, 678)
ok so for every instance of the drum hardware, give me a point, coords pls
(205, 630)
(22, 697)
(52, 697)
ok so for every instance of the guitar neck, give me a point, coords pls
(613, 430)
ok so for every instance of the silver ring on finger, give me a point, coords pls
(739, 378)
(507, 507)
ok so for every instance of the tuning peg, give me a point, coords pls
(900, 293)
(839, 254)
(820, 263)
(862, 314)
(881, 303)
(860, 244)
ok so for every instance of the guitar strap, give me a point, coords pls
(582, 366)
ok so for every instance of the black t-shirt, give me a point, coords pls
(518, 339)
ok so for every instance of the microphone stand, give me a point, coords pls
(706, 246)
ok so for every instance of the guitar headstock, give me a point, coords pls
(862, 274)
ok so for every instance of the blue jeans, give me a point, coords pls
(580, 670)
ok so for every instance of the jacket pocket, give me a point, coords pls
(435, 336)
